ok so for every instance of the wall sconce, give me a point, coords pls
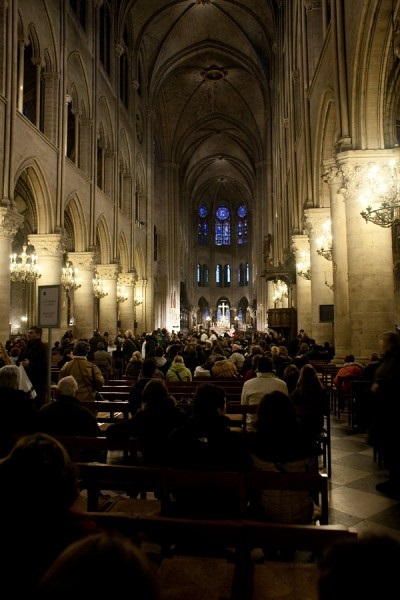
(324, 242)
(380, 194)
(98, 288)
(24, 267)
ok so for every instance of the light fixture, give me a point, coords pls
(24, 267)
(280, 290)
(69, 278)
(303, 267)
(137, 302)
(98, 287)
(121, 294)
(324, 242)
(379, 194)
(329, 285)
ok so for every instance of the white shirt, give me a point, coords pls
(255, 389)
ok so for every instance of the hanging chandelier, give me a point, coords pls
(98, 288)
(24, 267)
(380, 195)
(69, 278)
(303, 267)
(137, 302)
(324, 242)
(121, 294)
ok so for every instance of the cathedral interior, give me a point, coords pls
(228, 164)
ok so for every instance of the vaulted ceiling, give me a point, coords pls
(206, 65)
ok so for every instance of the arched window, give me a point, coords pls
(247, 274)
(222, 226)
(124, 71)
(202, 225)
(241, 227)
(105, 37)
(218, 275)
(243, 274)
(202, 275)
(227, 276)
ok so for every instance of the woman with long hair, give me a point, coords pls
(310, 399)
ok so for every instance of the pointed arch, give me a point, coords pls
(123, 253)
(75, 216)
(103, 241)
(34, 181)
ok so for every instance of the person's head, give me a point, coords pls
(349, 358)
(67, 386)
(136, 356)
(308, 378)
(276, 414)
(159, 352)
(209, 400)
(389, 341)
(155, 395)
(149, 367)
(40, 463)
(283, 351)
(178, 359)
(366, 567)
(265, 364)
(34, 333)
(81, 348)
(303, 348)
(102, 565)
(129, 333)
(373, 357)
(291, 372)
(10, 377)
(274, 350)
(101, 346)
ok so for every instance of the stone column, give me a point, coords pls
(340, 265)
(301, 248)
(140, 296)
(49, 249)
(370, 256)
(321, 270)
(10, 222)
(83, 296)
(108, 304)
(127, 308)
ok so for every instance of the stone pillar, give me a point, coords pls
(140, 296)
(108, 304)
(83, 296)
(321, 270)
(127, 309)
(10, 222)
(301, 248)
(49, 249)
(370, 257)
(340, 266)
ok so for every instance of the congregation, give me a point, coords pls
(280, 378)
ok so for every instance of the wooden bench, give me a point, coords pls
(96, 477)
(114, 408)
(172, 533)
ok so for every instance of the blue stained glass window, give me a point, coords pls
(222, 226)
(203, 212)
(202, 225)
(242, 211)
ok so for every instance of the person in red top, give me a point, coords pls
(350, 370)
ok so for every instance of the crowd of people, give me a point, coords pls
(281, 380)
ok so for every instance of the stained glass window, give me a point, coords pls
(222, 226)
(241, 230)
(202, 225)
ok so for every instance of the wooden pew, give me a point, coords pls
(96, 477)
(242, 536)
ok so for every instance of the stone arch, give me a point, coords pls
(325, 141)
(103, 241)
(140, 263)
(75, 217)
(42, 207)
(123, 253)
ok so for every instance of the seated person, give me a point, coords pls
(101, 355)
(152, 423)
(223, 368)
(38, 515)
(66, 416)
(363, 568)
(279, 444)
(18, 411)
(350, 370)
(178, 371)
(134, 365)
(206, 442)
(122, 565)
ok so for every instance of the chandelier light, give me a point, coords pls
(121, 294)
(303, 267)
(24, 267)
(379, 194)
(137, 302)
(324, 242)
(69, 278)
(280, 290)
(98, 288)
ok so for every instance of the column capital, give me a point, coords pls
(84, 261)
(50, 244)
(331, 173)
(127, 279)
(300, 244)
(10, 222)
(315, 219)
(110, 271)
